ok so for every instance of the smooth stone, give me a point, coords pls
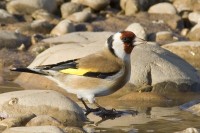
(28, 7)
(142, 5)
(69, 8)
(13, 40)
(194, 34)
(131, 7)
(80, 17)
(5, 17)
(41, 26)
(34, 129)
(162, 37)
(42, 14)
(96, 5)
(162, 8)
(188, 50)
(138, 29)
(194, 17)
(42, 120)
(186, 5)
(150, 63)
(189, 130)
(41, 102)
(192, 106)
(16, 121)
(63, 27)
(37, 26)
(184, 31)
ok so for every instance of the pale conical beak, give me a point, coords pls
(139, 41)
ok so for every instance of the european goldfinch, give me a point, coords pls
(95, 75)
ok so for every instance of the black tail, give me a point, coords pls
(28, 70)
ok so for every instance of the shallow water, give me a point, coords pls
(164, 118)
(157, 120)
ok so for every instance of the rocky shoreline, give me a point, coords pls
(40, 32)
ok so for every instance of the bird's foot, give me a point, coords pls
(112, 113)
(108, 113)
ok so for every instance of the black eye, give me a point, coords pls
(127, 39)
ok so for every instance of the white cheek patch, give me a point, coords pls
(118, 46)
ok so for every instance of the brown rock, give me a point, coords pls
(188, 50)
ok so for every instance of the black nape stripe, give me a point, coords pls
(99, 74)
(110, 44)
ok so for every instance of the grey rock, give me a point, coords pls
(159, 66)
(69, 8)
(162, 8)
(96, 5)
(28, 7)
(79, 17)
(63, 27)
(138, 29)
(41, 102)
(5, 17)
(34, 129)
(151, 64)
(13, 40)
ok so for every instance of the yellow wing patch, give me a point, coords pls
(75, 71)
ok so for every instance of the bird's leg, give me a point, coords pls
(88, 109)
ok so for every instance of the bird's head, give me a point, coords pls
(122, 43)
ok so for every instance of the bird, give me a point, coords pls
(95, 75)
